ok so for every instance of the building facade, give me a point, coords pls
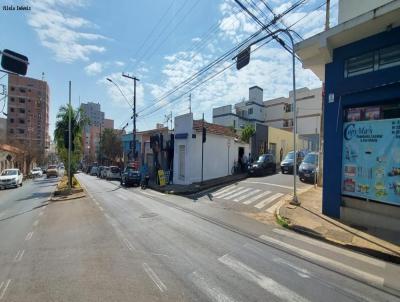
(3, 130)
(28, 115)
(359, 60)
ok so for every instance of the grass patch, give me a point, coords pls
(62, 186)
(282, 221)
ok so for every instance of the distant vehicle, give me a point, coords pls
(288, 161)
(104, 172)
(93, 171)
(130, 176)
(113, 173)
(44, 170)
(36, 172)
(88, 169)
(10, 178)
(264, 165)
(99, 169)
(308, 169)
(52, 171)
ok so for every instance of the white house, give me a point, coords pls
(221, 150)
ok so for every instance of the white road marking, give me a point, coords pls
(19, 256)
(270, 285)
(244, 190)
(129, 244)
(302, 272)
(223, 190)
(254, 198)
(213, 292)
(157, 193)
(4, 289)
(146, 193)
(267, 201)
(101, 208)
(28, 236)
(36, 223)
(41, 213)
(369, 278)
(122, 197)
(153, 276)
(268, 184)
(331, 247)
(228, 192)
(240, 198)
(273, 208)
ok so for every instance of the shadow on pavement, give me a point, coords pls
(24, 212)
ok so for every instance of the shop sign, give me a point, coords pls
(371, 159)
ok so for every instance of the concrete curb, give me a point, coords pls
(378, 254)
(76, 195)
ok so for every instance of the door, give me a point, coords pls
(181, 169)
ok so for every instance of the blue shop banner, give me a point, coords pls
(371, 160)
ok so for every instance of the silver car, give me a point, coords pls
(113, 173)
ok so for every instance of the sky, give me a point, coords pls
(162, 43)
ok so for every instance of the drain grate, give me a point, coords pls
(148, 215)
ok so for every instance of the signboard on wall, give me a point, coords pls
(371, 160)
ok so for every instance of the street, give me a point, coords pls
(129, 244)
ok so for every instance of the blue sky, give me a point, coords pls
(162, 42)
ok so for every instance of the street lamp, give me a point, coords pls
(243, 58)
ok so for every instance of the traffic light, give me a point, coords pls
(14, 62)
(66, 140)
(204, 134)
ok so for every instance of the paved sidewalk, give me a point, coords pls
(308, 219)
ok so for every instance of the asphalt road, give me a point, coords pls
(132, 245)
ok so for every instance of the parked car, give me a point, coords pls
(52, 171)
(130, 176)
(308, 169)
(10, 178)
(264, 165)
(104, 172)
(113, 173)
(36, 172)
(93, 171)
(288, 161)
(99, 169)
(88, 169)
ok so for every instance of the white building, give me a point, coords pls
(221, 150)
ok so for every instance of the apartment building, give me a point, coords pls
(3, 130)
(28, 115)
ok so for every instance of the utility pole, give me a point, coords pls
(134, 113)
(190, 103)
(327, 15)
(202, 151)
(69, 138)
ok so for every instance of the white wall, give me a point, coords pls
(349, 9)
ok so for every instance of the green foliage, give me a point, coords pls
(247, 132)
(111, 145)
(78, 121)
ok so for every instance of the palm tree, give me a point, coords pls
(78, 121)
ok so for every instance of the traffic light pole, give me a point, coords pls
(69, 138)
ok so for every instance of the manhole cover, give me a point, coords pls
(148, 215)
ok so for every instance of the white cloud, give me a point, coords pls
(94, 68)
(62, 33)
(119, 63)
(196, 40)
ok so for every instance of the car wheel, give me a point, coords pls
(21, 184)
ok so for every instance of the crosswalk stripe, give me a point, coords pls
(253, 199)
(273, 208)
(237, 193)
(330, 247)
(122, 196)
(208, 287)
(270, 199)
(240, 198)
(270, 285)
(229, 192)
(343, 268)
(224, 189)
(229, 189)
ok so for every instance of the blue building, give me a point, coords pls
(359, 62)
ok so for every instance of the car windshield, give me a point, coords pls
(114, 169)
(311, 158)
(51, 167)
(37, 169)
(289, 155)
(262, 158)
(9, 172)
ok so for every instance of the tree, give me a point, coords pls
(78, 121)
(111, 145)
(248, 132)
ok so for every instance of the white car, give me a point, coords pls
(113, 173)
(37, 172)
(10, 178)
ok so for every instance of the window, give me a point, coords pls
(22, 100)
(287, 108)
(22, 90)
(11, 109)
(12, 88)
(21, 121)
(21, 131)
(11, 130)
(11, 120)
(376, 60)
(21, 110)
(250, 111)
(12, 100)
(234, 123)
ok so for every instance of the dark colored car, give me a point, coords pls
(130, 176)
(264, 165)
(288, 161)
(308, 169)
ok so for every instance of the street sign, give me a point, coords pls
(243, 58)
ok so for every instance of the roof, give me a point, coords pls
(10, 148)
(213, 128)
(316, 51)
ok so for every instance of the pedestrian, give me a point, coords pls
(281, 154)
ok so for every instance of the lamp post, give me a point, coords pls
(243, 58)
